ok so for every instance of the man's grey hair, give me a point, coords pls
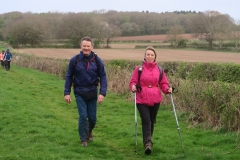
(87, 39)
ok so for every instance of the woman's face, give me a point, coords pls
(150, 56)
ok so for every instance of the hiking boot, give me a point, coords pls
(84, 143)
(148, 147)
(90, 137)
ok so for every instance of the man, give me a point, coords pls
(7, 59)
(2, 58)
(85, 71)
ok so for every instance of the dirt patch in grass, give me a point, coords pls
(138, 54)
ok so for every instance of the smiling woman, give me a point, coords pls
(150, 54)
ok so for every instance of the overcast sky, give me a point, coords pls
(231, 7)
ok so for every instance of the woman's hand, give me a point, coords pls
(134, 88)
(170, 90)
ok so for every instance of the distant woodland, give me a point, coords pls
(21, 29)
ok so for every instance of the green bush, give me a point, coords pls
(122, 64)
(216, 72)
(225, 72)
(182, 43)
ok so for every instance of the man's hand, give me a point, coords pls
(67, 98)
(100, 98)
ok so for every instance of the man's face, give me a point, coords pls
(86, 47)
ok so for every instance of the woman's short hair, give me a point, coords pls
(152, 49)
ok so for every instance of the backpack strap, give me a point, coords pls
(138, 86)
(140, 68)
(161, 73)
(77, 60)
(75, 64)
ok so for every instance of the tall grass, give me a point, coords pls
(36, 123)
(214, 105)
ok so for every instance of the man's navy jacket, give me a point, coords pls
(84, 72)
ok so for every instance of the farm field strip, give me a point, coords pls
(137, 54)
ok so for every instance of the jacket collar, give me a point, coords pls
(149, 65)
(81, 57)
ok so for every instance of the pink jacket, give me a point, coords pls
(1, 56)
(149, 82)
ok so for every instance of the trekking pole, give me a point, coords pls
(135, 102)
(178, 127)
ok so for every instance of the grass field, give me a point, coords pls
(36, 124)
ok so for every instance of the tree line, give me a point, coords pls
(21, 29)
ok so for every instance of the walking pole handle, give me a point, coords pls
(174, 90)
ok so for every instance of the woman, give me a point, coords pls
(1, 58)
(7, 59)
(148, 95)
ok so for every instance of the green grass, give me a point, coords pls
(36, 123)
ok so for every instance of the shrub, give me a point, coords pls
(216, 72)
(214, 103)
(208, 93)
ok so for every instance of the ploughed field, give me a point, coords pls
(152, 38)
(137, 54)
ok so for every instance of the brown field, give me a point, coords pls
(137, 54)
(127, 51)
(153, 38)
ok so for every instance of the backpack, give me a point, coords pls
(138, 86)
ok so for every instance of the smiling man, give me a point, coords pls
(85, 72)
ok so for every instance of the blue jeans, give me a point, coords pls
(87, 111)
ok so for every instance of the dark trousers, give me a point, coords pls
(2, 63)
(148, 116)
(7, 65)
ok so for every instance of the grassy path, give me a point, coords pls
(36, 123)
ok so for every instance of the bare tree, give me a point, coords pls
(235, 35)
(174, 34)
(27, 30)
(52, 22)
(127, 29)
(221, 37)
(97, 31)
(75, 26)
(209, 23)
(111, 31)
